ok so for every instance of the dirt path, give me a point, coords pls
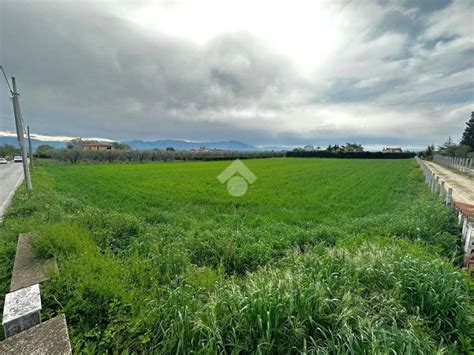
(463, 187)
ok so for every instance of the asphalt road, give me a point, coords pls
(11, 176)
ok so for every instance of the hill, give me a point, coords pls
(35, 142)
(158, 144)
(186, 145)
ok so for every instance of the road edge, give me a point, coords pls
(4, 206)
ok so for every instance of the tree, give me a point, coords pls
(429, 151)
(456, 150)
(44, 151)
(468, 135)
(8, 150)
(446, 146)
(353, 147)
(170, 149)
(120, 146)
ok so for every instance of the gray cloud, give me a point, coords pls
(83, 71)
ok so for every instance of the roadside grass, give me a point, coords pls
(320, 256)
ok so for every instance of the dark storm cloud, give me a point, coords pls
(82, 71)
(422, 5)
(398, 22)
(427, 5)
(95, 68)
(430, 44)
(350, 90)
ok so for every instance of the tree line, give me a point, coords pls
(348, 155)
(465, 148)
(116, 155)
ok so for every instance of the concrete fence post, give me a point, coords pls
(433, 182)
(469, 241)
(464, 227)
(449, 196)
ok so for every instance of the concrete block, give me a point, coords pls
(28, 270)
(50, 337)
(21, 310)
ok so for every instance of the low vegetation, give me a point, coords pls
(321, 255)
(77, 155)
(341, 154)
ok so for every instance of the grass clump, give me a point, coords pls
(62, 239)
(112, 231)
(324, 301)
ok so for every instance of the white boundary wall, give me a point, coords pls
(464, 165)
(438, 187)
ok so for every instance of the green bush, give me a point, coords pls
(62, 240)
(112, 231)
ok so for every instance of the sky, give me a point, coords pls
(380, 73)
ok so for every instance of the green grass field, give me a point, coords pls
(320, 255)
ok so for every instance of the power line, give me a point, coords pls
(6, 79)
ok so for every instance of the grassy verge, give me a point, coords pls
(156, 257)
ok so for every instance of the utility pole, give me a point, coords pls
(21, 134)
(30, 149)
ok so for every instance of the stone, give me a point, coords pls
(50, 337)
(28, 270)
(21, 310)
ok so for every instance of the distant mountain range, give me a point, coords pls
(158, 144)
(185, 145)
(34, 142)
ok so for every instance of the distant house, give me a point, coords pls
(200, 150)
(97, 146)
(308, 148)
(392, 150)
(352, 149)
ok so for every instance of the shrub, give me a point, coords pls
(112, 231)
(62, 240)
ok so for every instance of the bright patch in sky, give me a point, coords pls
(305, 31)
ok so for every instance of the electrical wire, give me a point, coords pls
(8, 83)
